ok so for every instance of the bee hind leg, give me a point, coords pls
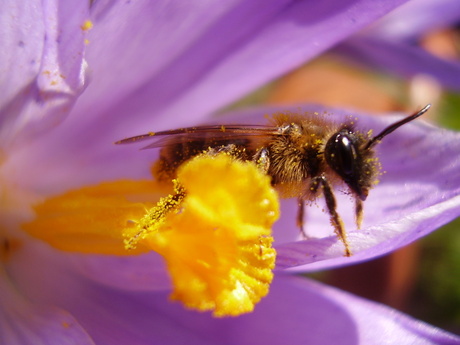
(233, 150)
(262, 159)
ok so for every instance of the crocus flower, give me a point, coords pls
(76, 79)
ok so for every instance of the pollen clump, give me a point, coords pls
(214, 230)
(216, 239)
(87, 25)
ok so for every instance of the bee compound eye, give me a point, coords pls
(341, 154)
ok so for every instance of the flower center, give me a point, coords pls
(214, 230)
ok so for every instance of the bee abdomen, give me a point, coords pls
(173, 156)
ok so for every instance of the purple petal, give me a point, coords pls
(42, 64)
(414, 19)
(24, 47)
(137, 273)
(296, 311)
(401, 59)
(182, 65)
(22, 322)
(390, 44)
(187, 61)
(330, 316)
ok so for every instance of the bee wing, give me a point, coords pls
(190, 134)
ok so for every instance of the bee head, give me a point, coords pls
(350, 155)
(344, 153)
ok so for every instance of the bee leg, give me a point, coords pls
(234, 151)
(358, 212)
(156, 215)
(262, 159)
(230, 148)
(301, 217)
(331, 205)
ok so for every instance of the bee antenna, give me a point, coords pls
(375, 140)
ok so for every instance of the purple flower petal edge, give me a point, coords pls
(400, 59)
(23, 322)
(44, 64)
(414, 19)
(243, 52)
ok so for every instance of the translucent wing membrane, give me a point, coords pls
(214, 132)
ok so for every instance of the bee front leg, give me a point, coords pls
(331, 205)
(358, 212)
(301, 217)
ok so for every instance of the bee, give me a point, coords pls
(306, 156)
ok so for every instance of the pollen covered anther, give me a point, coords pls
(155, 217)
(216, 239)
(213, 230)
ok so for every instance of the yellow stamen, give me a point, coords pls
(91, 219)
(214, 231)
(217, 240)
